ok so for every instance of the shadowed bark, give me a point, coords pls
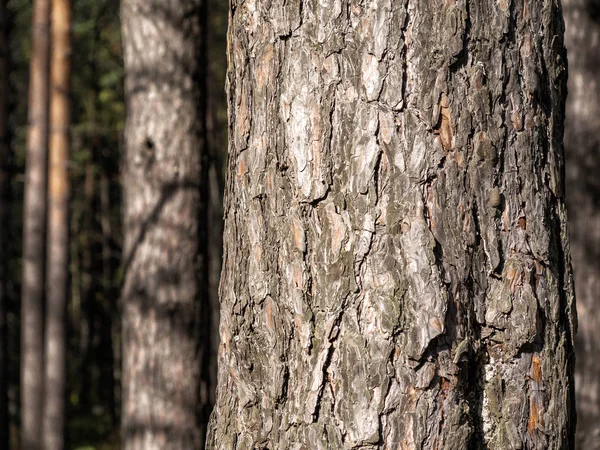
(163, 290)
(397, 268)
(32, 297)
(58, 229)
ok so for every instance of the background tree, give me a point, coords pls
(4, 205)
(163, 291)
(213, 60)
(97, 98)
(58, 229)
(95, 246)
(396, 269)
(582, 147)
(32, 299)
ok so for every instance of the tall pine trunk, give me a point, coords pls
(397, 269)
(89, 307)
(32, 297)
(58, 229)
(4, 201)
(107, 376)
(582, 148)
(163, 290)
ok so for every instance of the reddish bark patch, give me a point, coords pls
(445, 128)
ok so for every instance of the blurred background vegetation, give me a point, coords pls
(98, 116)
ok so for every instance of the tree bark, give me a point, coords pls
(582, 148)
(4, 204)
(162, 294)
(397, 268)
(58, 229)
(32, 297)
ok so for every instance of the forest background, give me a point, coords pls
(98, 116)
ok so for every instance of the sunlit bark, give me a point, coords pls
(58, 229)
(163, 288)
(32, 298)
(397, 268)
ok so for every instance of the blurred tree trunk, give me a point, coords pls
(87, 329)
(107, 375)
(58, 228)
(214, 246)
(397, 269)
(212, 201)
(32, 301)
(216, 149)
(163, 287)
(582, 147)
(4, 202)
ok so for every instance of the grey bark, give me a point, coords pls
(397, 267)
(582, 148)
(34, 218)
(162, 294)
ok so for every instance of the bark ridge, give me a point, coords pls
(397, 269)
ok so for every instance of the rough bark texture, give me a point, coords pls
(58, 229)
(34, 218)
(162, 293)
(4, 201)
(582, 148)
(397, 269)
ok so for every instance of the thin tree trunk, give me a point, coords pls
(32, 301)
(4, 201)
(214, 257)
(212, 227)
(107, 380)
(162, 292)
(397, 270)
(58, 229)
(216, 150)
(88, 288)
(582, 147)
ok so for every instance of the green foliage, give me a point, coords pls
(91, 432)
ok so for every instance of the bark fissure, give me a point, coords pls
(407, 221)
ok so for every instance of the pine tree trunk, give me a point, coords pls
(32, 301)
(162, 293)
(89, 287)
(58, 229)
(4, 201)
(582, 148)
(107, 376)
(397, 269)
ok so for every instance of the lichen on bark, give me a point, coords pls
(397, 270)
